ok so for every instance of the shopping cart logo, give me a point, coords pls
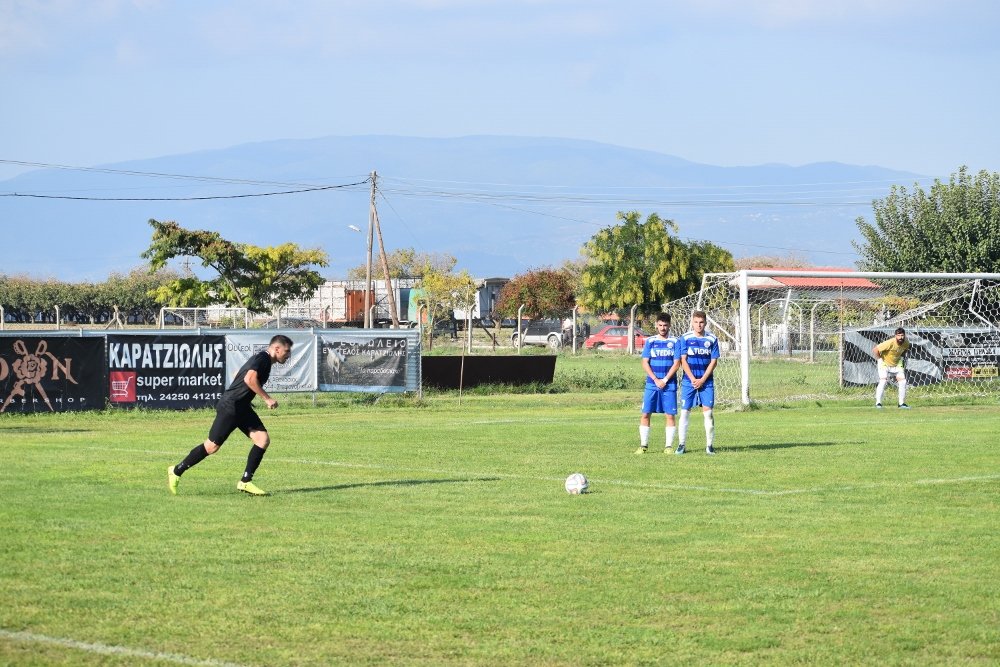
(122, 386)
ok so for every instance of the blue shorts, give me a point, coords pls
(690, 397)
(659, 400)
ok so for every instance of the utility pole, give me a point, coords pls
(385, 270)
(368, 258)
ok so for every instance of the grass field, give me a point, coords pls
(437, 532)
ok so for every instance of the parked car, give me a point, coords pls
(614, 337)
(541, 332)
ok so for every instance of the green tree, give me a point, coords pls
(573, 268)
(543, 292)
(26, 299)
(133, 293)
(441, 293)
(702, 257)
(84, 304)
(953, 228)
(645, 264)
(789, 261)
(249, 276)
(46, 296)
(408, 263)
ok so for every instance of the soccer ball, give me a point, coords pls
(576, 484)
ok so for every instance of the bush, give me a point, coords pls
(583, 379)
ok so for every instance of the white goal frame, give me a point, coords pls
(211, 316)
(935, 297)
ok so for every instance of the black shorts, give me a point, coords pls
(228, 418)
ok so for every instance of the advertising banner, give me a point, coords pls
(296, 374)
(967, 354)
(372, 360)
(936, 355)
(51, 373)
(173, 372)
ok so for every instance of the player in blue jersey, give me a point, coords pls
(699, 356)
(660, 360)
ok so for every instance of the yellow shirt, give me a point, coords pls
(892, 352)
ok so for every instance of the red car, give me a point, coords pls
(614, 337)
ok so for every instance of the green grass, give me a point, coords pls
(437, 532)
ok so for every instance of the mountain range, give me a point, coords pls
(500, 205)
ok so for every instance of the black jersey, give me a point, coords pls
(239, 394)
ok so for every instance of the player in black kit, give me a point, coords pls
(234, 411)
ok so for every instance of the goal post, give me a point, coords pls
(794, 334)
(217, 317)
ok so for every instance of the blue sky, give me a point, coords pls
(903, 84)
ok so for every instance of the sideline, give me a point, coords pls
(107, 649)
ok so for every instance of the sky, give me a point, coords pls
(909, 85)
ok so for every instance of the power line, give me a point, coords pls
(409, 181)
(244, 196)
(715, 199)
(156, 174)
(496, 204)
(439, 191)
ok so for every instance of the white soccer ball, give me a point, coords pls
(576, 484)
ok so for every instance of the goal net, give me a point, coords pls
(788, 335)
(216, 317)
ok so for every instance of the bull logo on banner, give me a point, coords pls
(30, 370)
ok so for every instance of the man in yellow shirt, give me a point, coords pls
(890, 360)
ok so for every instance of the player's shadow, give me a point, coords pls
(788, 445)
(388, 482)
(35, 429)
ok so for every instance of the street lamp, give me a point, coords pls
(355, 228)
(369, 306)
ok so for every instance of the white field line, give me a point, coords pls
(106, 649)
(616, 482)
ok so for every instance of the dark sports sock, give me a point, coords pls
(194, 457)
(253, 460)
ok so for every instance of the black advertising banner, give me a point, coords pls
(936, 355)
(364, 361)
(51, 373)
(172, 372)
(967, 354)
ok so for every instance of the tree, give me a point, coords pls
(573, 268)
(408, 263)
(252, 277)
(644, 264)
(26, 300)
(953, 228)
(702, 257)
(543, 292)
(789, 261)
(443, 292)
(133, 293)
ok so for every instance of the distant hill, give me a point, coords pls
(501, 205)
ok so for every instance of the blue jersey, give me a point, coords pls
(699, 350)
(662, 353)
